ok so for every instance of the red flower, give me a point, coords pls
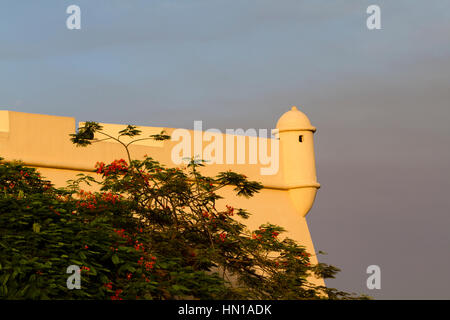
(149, 265)
(87, 269)
(108, 285)
(223, 236)
(116, 296)
(100, 167)
(117, 166)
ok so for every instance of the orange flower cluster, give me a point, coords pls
(147, 264)
(139, 246)
(305, 254)
(24, 174)
(230, 210)
(223, 236)
(212, 220)
(117, 295)
(108, 285)
(121, 233)
(109, 197)
(89, 200)
(87, 269)
(259, 234)
(117, 166)
(256, 236)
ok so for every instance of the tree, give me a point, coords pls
(149, 232)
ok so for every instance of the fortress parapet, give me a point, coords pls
(42, 141)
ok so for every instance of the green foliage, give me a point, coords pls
(129, 131)
(85, 134)
(44, 230)
(149, 232)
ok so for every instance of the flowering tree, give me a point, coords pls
(148, 232)
(45, 230)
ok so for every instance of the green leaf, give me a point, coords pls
(5, 278)
(36, 227)
(177, 287)
(115, 259)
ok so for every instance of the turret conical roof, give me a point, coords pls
(293, 120)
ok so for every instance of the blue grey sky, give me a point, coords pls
(380, 100)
